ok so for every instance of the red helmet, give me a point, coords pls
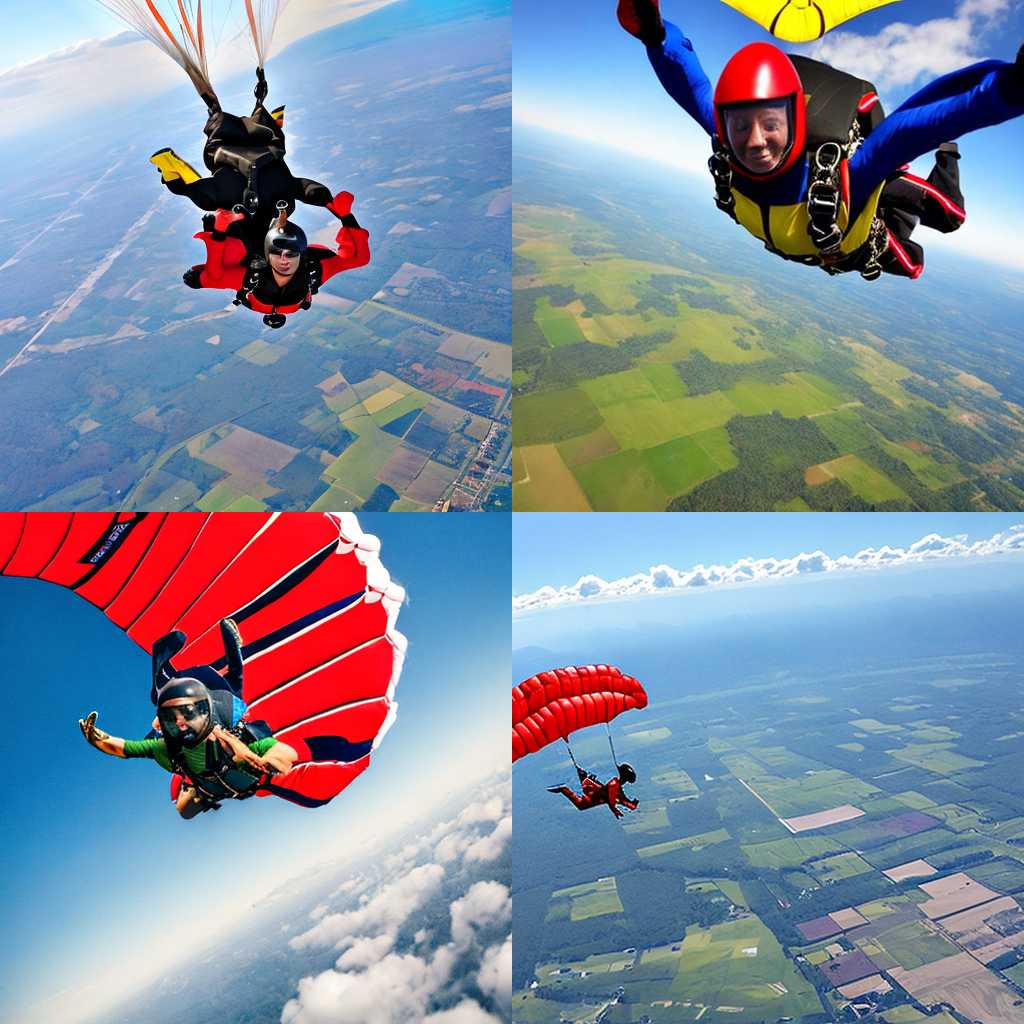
(761, 77)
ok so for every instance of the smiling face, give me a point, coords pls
(758, 135)
(284, 263)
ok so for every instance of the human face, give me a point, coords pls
(758, 135)
(184, 714)
(284, 263)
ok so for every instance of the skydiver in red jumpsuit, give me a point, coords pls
(595, 793)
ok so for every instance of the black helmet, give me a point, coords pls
(626, 773)
(275, 320)
(290, 238)
(198, 714)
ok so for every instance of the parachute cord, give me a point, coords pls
(615, 759)
(567, 747)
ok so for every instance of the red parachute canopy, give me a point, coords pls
(315, 607)
(549, 706)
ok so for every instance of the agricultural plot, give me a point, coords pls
(592, 899)
(741, 965)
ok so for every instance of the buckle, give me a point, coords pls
(828, 156)
(822, 199)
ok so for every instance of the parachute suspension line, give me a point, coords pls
(569, 748)
(615, 759)
(262, 16)
(180, 33)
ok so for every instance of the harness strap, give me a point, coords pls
(823, 195)
(721, 171)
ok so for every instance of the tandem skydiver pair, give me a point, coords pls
(252, 248)
(806, 161)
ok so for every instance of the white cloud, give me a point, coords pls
(364, 952)
(900, 53)
(393, 990)
(495, 974)
(467, 1012)
(491, 847)
(484, 905)
(384, 913)
(665, 578)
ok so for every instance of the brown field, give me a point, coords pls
(334, 384)
(434, 378)
(431, 483)
(822, 818)
(402, 467)
(984, 930)
(248, 457)
(915, 869)
(487, 389)
(848, 918)
(817, 475)
(964, 984)
(953, 894)
(876, 983)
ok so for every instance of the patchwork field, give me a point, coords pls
(667, 385)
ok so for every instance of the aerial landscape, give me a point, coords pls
(660, 364)
(829, 824)
(121, 388)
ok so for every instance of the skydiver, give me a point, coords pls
(595, 793)
(212, 750)
(287, 272)
(245, 156)
(847, 207)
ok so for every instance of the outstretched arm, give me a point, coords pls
(99, 739)
(977, 97)
(682, 77)
(353, 241)
(225, 257)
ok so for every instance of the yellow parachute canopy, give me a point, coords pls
(800, 21)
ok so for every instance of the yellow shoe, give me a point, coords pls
(278, 116)
(172, 167)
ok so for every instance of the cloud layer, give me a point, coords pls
(382, 978)
(900, 53)
(666, 579)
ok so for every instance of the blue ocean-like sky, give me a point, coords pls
(578, 72)
(94, 857)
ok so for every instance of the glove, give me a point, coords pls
(225, 218)
(341, 204)
(641, 18)
(191, 277)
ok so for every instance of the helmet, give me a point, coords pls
(626, 773)
(761, 78)
(198, 714)
(275, 320)
(290, 238)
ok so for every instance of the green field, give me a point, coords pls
(543, 481)
(553, 416)
(843, 865)
(558, 325)
(790, 852)
(592, 899)
(698, 842)
(740, 966)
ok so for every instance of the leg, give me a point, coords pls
(575, 798)
(187, 805)
(312, 192)
(233, 649)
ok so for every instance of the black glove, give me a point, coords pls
(191, 277)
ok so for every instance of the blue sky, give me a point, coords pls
(577, 72)
(556, 549)
(93, 846)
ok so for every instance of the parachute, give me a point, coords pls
(177, 27)
(799, 21)
(549, 706)
(316, 608)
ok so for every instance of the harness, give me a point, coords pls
(841, 112)
(222, 779)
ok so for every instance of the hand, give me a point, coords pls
(341, 204)
(93, 735)
(641, 18)
(239, 751)
(225, 218)
(192, 276)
